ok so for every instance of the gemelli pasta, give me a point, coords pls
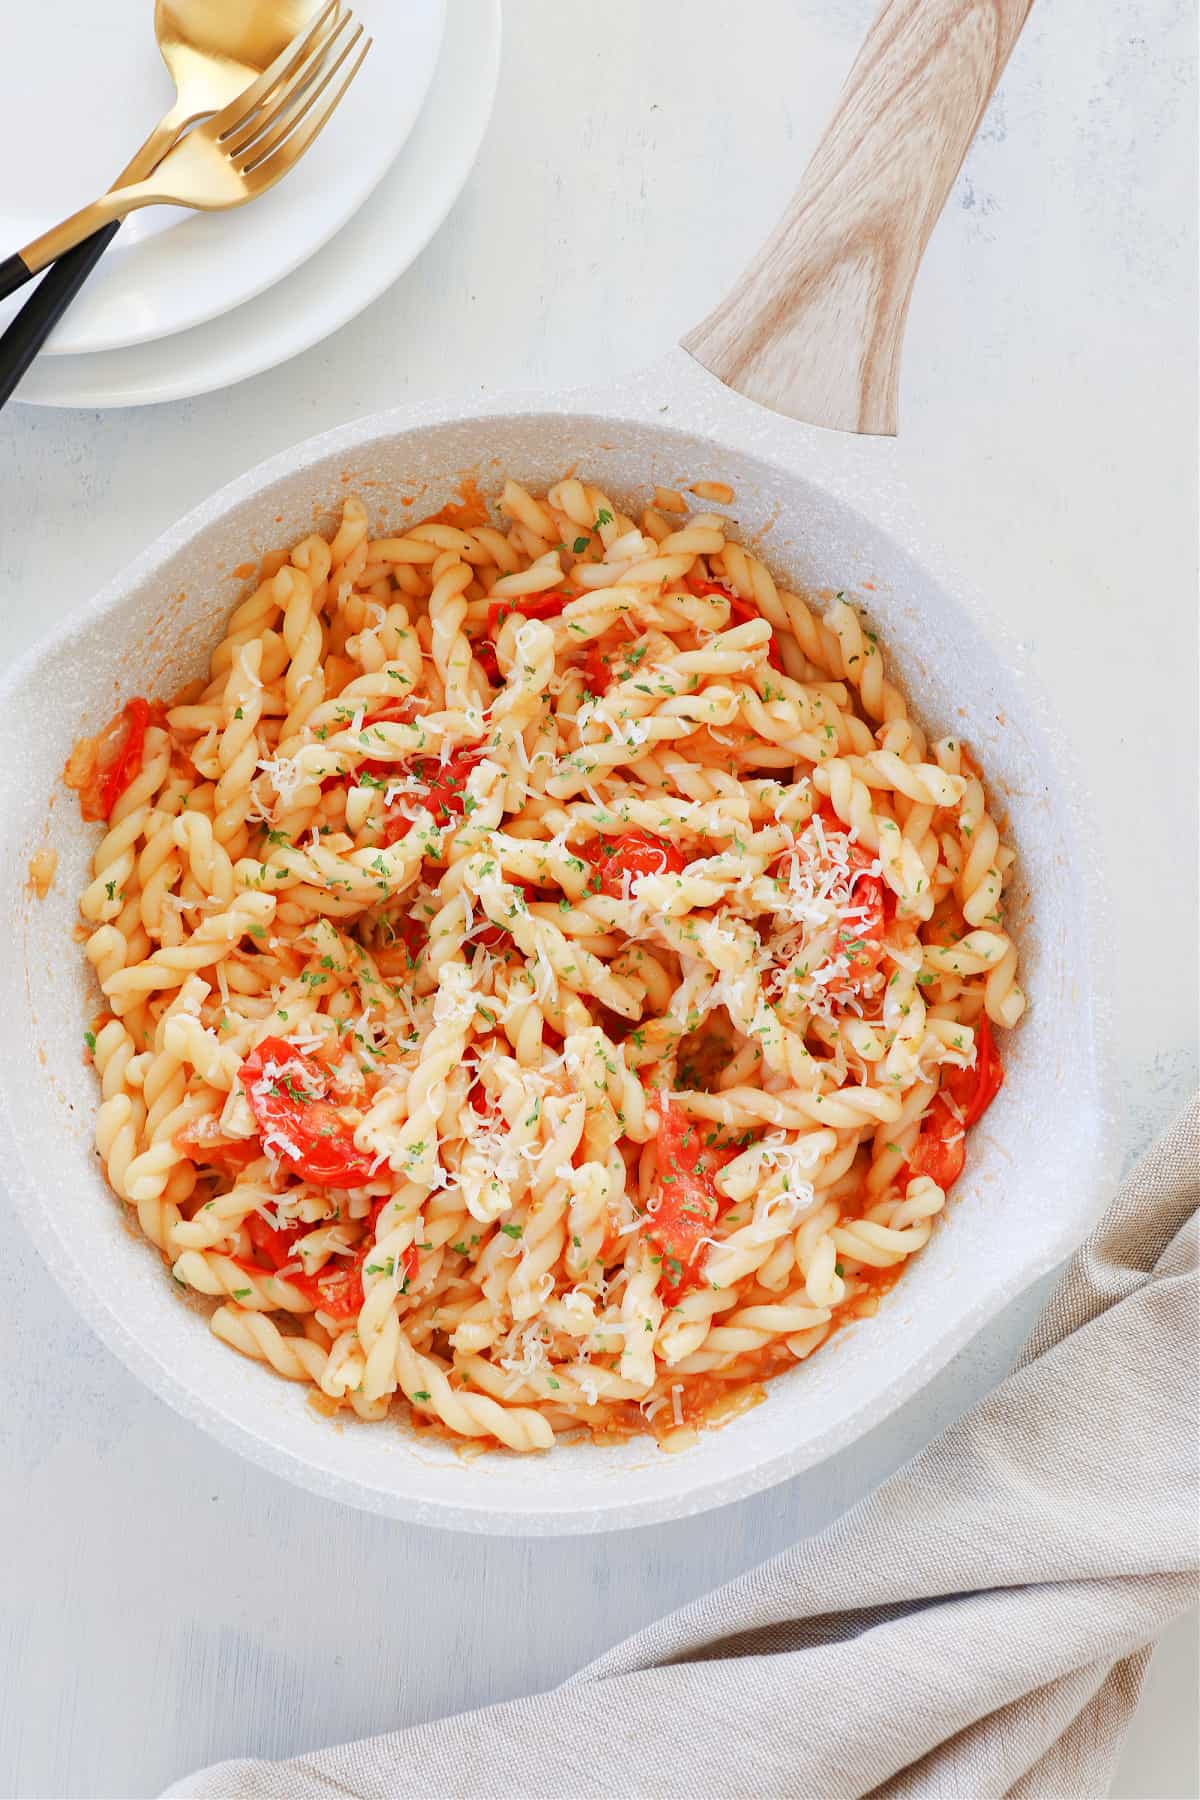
(547, 975)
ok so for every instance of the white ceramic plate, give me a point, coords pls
(169, 269)
(1037, 1169)
(379, 243)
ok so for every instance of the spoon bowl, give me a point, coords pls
(213, 49)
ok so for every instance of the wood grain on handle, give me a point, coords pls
(814, 327)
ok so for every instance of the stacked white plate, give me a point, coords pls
(186, 302)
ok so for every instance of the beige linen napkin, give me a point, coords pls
(977, 1627)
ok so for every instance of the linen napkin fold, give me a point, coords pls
(979, 1626)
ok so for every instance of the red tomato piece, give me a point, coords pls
(697, 585)
(397, 712)
(403, 711)
(741, 612)
(446, 784)
(374, 773)
(873, 890)
(288, 1095)
(485, 656)
(636, 853)
(277, 1246)
(529, 606)
(869, 893)
(413, 934)
(941, 1149)
(862, 941)
(128, 761)
(338, 1289)
(447, 781)
(688, 1202)
(597, 675)
(274, 1242)
(860, 856)
(973, 1090)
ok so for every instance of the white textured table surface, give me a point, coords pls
(165, 1604)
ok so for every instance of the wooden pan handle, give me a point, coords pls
(813, 328)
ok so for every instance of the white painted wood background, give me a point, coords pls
(162, 1603)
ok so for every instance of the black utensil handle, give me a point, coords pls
(14, 273)
(47, 304)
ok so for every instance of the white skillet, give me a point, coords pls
(814, 329)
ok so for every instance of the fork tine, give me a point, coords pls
(266, 167)
(291, 57)
(284, 93)
(282, 122)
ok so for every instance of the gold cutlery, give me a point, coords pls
(235, 155)
(213, 50)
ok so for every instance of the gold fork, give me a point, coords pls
(237, 154)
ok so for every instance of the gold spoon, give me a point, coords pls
(213, 50)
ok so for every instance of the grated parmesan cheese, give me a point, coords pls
(286, 776)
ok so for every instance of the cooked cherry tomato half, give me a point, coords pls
(401, 711)
(274, 1242)
(528, 606)
(861, 942)
(392, 712)
(120, 773)
(597, 674)
(413, 934)
(485, 656)
(446, 783)
(941, 1147)
(337, 1289)
(688, 1204)
(287, 1092)
(100, 768)
(636, 853)
(741, 612)
(973, 1090)
(940, 1150)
